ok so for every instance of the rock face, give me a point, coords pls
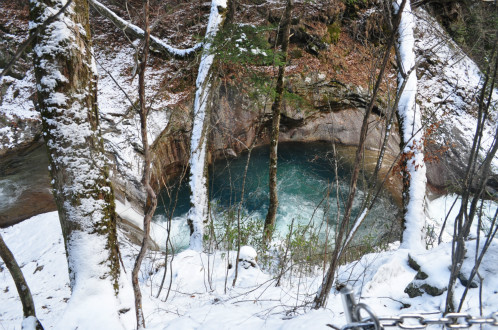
(20, 124)
(328, 111)
(331, 112)
(449, 85)
(25, 185)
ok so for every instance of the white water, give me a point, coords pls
(305, 179)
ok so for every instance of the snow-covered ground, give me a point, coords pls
(202, 297)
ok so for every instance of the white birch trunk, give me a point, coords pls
(199, 199)
(412, 133)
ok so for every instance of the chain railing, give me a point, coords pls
(353, 310)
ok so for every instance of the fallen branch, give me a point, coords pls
(156, 44)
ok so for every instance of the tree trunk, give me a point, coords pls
(134, 31)
(412, 140)
(275, 126)
(67, 98)
(28, 306)
(199, 199)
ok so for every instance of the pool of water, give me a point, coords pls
(307, 191)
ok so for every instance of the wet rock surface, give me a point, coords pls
(25, 185)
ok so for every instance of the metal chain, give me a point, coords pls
(419, 321)
(450, 320)
(406, 321)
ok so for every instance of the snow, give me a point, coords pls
(441, 206)
(248, 253)
(38, 246)
(412, 131)
(120, 124)
(198, 298)
(29, 323)
(158, 231)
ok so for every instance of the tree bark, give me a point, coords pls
(67, 99)
(275, 126)
(28, 306)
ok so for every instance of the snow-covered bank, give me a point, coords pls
(197, 299)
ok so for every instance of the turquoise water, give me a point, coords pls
(306, 189)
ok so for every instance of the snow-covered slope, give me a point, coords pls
(449, 86)
(198, 298)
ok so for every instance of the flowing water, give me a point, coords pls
(307, 190)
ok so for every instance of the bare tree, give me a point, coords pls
(151, 199)
(134, 31)
(275, 125)
(28, 306)
(476, 179)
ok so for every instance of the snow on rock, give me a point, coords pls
(120, 124)
(390, 278)
(20, 122)
(435, 264)
(449, 84)
(158, 229)
(441, 209)
(249, 277)
(248, 255)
